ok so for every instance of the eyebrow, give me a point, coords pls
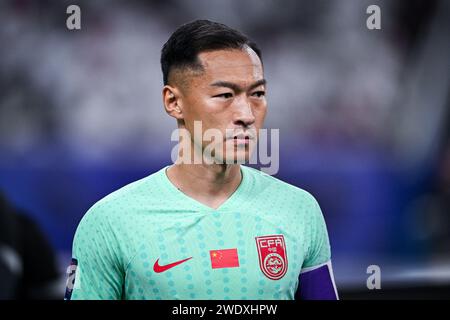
(236, 87)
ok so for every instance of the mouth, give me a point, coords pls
(242, 139)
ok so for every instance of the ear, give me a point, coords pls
(171, 100)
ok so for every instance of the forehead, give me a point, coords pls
(239, 65)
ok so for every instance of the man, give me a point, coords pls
(208, 229)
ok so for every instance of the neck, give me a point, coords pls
(209, 184)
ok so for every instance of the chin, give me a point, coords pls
(239, 157)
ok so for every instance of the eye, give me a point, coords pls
(226, 95)
(259, 94)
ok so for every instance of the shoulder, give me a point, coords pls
(114, 207)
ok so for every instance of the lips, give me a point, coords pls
(242, 137)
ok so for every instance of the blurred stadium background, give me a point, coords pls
(363, 117)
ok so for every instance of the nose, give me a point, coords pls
(243, 113)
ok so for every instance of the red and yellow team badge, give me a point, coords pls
(272, 256)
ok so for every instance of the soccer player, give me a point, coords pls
(214, 229)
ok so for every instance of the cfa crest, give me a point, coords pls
(272, 256)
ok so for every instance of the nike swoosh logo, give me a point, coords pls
(158, 268)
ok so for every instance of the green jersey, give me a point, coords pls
(149, 240)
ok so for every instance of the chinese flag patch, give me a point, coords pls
(226, 258)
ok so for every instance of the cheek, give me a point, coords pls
(195, 109)
(200, 106)
(211, 114)
(260, 113)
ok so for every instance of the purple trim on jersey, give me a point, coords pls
(316, 284)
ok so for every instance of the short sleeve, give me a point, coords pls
(319, 251)
(96, 264)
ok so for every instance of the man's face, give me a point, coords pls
(229, 96)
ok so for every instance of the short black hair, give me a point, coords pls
(190, 39)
